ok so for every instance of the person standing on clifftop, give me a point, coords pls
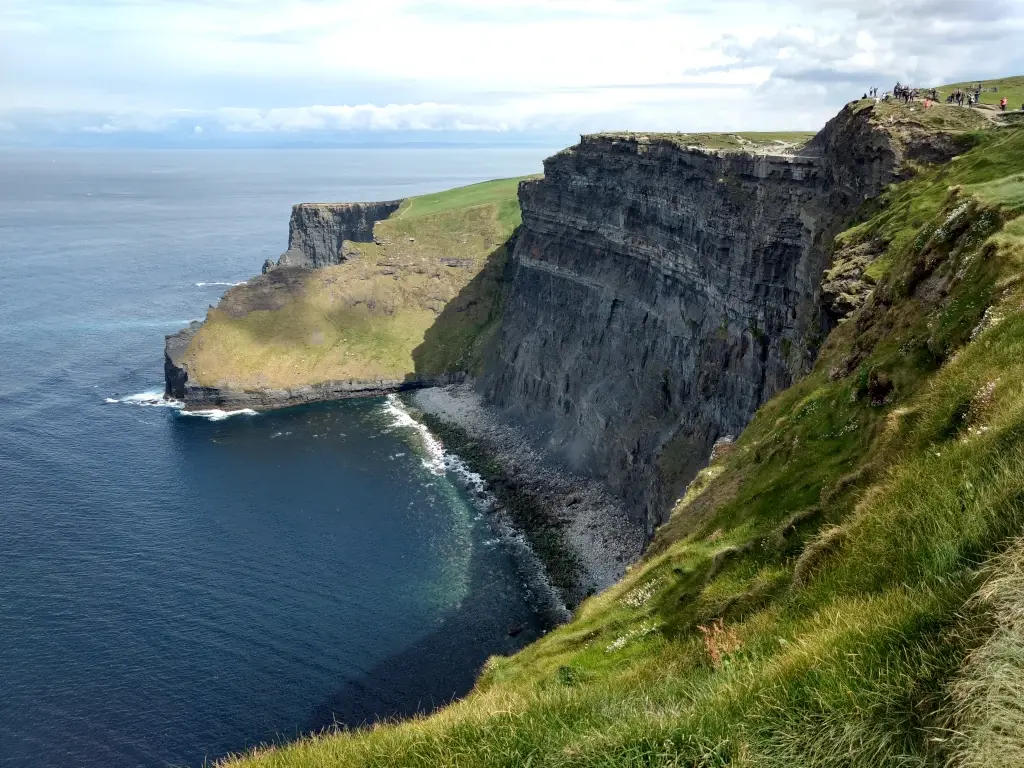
(1002, 104)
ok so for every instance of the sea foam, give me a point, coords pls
(439, 461)
(155, 399)
(149, 399)
(217, 282)
(216, 414)
(435, 458)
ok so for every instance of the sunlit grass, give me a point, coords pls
(382, 315)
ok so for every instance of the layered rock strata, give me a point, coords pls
(660, 293)
(317, 231)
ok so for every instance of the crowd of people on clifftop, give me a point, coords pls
(961, 95)
(969, 97)
(900, 92)
(904, 93)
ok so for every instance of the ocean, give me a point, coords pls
(174, 588)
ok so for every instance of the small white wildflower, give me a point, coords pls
(990, 319)
(640, 595)
(634, 634)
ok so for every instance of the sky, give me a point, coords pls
(263, 71)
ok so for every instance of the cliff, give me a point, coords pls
(841, 587)
(370, 298)
(317, 231)
(661, 291)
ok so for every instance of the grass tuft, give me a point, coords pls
(988, 694)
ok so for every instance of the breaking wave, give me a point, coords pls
(155, 399)
(435, 458)
(439, 461)
(150, 399)
(218, 282)
(216, 414)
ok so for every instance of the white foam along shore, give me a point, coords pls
(155, 399)
(596, 525)
(434, 460)
(439, 462)
(224, 283)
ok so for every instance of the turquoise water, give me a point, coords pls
(174, 588)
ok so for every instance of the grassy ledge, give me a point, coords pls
(743, 141)
(840, 588)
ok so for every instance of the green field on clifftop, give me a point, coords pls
(993, 90)
(743, 141)
(844, 586)
(419, 301)
(502, 192)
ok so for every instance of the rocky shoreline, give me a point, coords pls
(581, 533)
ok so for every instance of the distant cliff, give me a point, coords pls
(370, 298)
(661, 292)
(317, 231)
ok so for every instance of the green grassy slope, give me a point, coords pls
(810, 601)
(1010, 87)
(419, 301)
(500, 191)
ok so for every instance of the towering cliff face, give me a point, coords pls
(317, 231)
(660, 293)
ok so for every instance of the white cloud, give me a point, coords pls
(263, 66)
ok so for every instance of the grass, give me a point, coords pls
(501, 191)
(1010, 87)
(418, 302)
(987, 693)
(810, 601)
(750, 141)
(1007, 191)
(938, 116)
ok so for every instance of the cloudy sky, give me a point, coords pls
(241, 70)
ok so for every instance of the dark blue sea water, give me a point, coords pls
(174, 588)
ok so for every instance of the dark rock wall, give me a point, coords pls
(660, 294)
(175, 373)
(317, 230)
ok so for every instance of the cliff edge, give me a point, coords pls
(665, 286)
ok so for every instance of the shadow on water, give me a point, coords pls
(435, 669)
